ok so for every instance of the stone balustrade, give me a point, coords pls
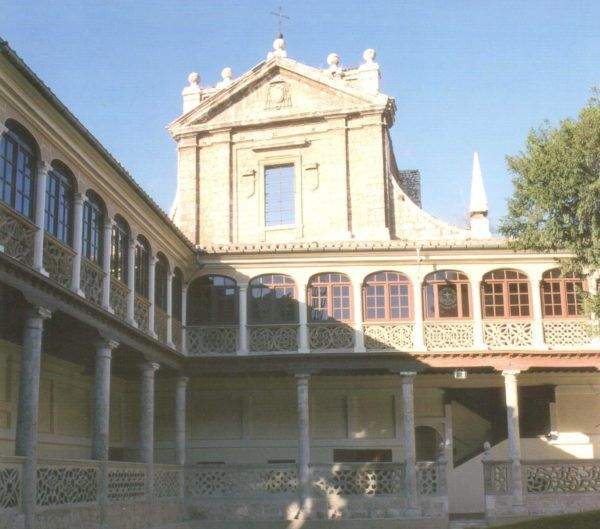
(330, 336)
(118, 297)
(211, 339)
(273, 338)
(448, 335)
(160, 324)
(502, 334)
(17, 235)
(91, 281)
(58, 261)
(388, 336)
(141, 312)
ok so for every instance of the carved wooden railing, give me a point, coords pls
(17, 235)
(118, 297)
(448, 335)
(388, 336)
(568, 331)
(160, 324)
(141, 309)
(272, 338)
(508, 333)
(58, 261)
(330, 336)
(211, 339)
(91, 281)
(177, 333)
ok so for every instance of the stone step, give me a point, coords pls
(473, 523)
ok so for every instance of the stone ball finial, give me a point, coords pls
(369, 55)
(279, 44)
(333, 59)
(194, 79)
(227, 73)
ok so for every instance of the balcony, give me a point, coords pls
(204, 340)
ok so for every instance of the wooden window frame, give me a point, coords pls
(562, 283)
(402, 280)
(329, 285)
(271, 286)
(436, 283)
(119, 252)
(211, 289)
(93, 224)
(505, 283)
(161, 279)
(142, 267)
(58, 219)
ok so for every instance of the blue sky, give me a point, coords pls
(466, 75)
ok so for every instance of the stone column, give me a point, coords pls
(243, 319)
(184, 318)
(303, 444)
(170, 309)
(151, 290)
(409, 442)
(359, 338)
(40, 216)
(100, 430)
(536, 305)
(78, 200)
(131, 283)
(147, 422)
(478, 342)
(514, 434)
(418, 338)
(180, 414)
(303, 343)
(28, 406)
(106, 251)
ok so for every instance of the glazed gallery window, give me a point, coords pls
(386, 296)
(561, 295)
(212, 300)
(59, 203)
(446, 295)
(272, 300)
(505, 294)
(119, 254)
(93, 226)
(329, 297)
(279, 195)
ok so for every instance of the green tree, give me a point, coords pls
(556, 200)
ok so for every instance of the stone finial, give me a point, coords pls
(478, 206)
(278, 48)
(192, 94)
(226, 77)
(333, 60)
(368, 72)
(369, 56)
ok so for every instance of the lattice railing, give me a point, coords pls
(358, 479)
(160, 324)
(429, 478)
(61, 482)
(448, 335)
(118, 297)
(58, 261)
(507, 333)
(330, 336)
(388, 336)
(126, 481)
(91, 281)
(497, 477)
(11, 469)
(167, 481)
(567, 331)
(572, 476)
(177, 333)
(141, 310)
(240, 480)
(211, 339)
(271, 338)
(16, 235)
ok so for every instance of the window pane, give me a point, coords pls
(279, 195)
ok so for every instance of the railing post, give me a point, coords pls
(40, 216)
(243, 319)
(100, 434)
(180, 431)
(538, 322)
(409, 445)
(478, 341)
(514, 435)
(147, 423)
(151, 294)
(78, 200)
(359, 337)
(303, 344)
(106, 251)
(418, 338)
(303, 445)
(170, 309)
(131, 283)
(184, 289)
(28, 407)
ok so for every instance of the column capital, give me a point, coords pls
(44, 166)
(153, 260)
(106, 343)
(302, 378)
(407, 375)
(182, 381)
(132, 243)
(149, 367)
(510, 373)
(242, 286)
(37, 311)
(170, 274)
(108, 223)
(79, 198)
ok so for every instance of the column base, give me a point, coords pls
(132, 322)
(78, 291)
(42, 270)
(171, 344)
(153, 334)
(304, 350)
(108, 308)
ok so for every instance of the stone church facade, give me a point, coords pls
(298, 344)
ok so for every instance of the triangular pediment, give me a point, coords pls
(278, 89)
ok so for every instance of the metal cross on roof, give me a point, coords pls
(279, 14)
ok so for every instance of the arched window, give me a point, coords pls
(212, 300)
(160, 281)
(505, 294)
(446, 295)
(59, 203)
(561, 294)
(177, 287)
(330, 298)
(119, 254)
(386, 296)
(142, 266)
(272, 299)
(93, 228)
(18, 164)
